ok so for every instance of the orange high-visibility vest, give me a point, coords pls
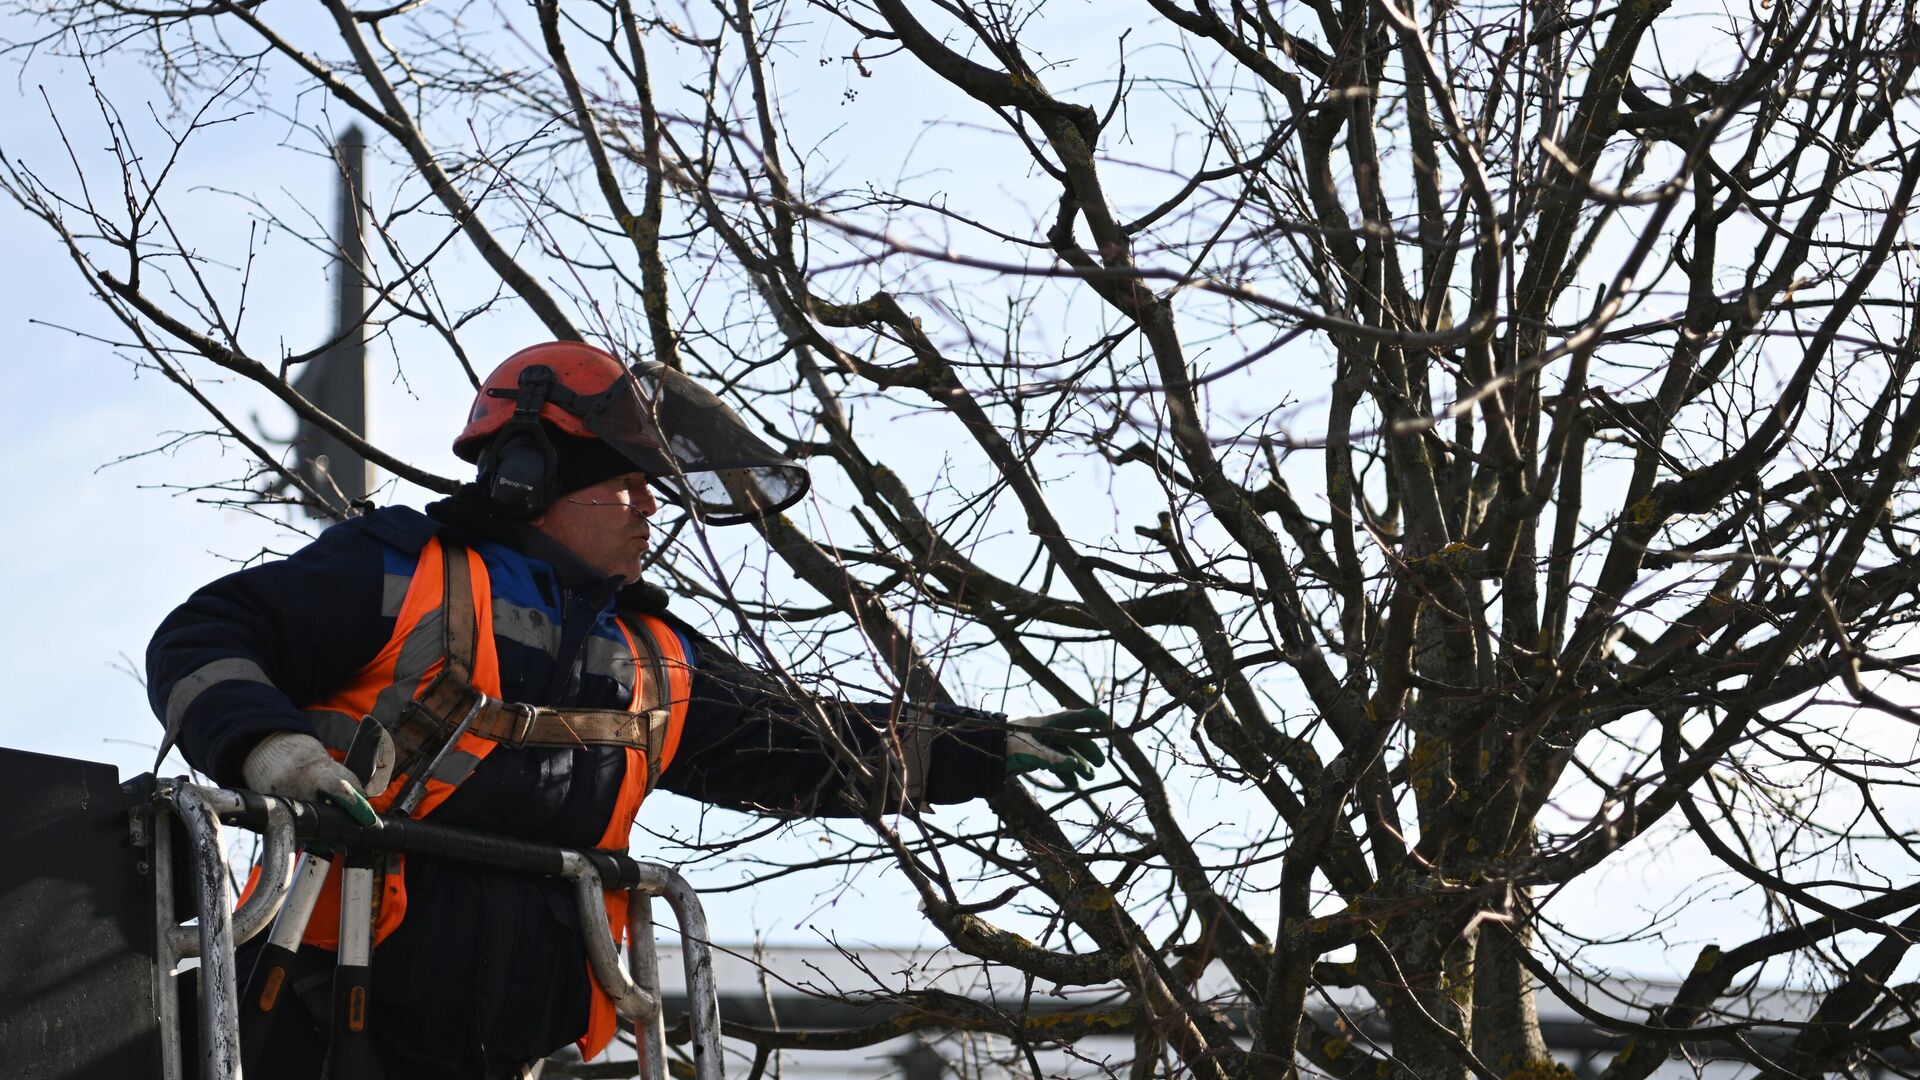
(407, 665)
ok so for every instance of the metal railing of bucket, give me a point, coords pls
(286, 826)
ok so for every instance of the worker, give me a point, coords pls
(526, 682)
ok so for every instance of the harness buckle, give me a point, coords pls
(523, 727)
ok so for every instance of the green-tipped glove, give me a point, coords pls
(1057, 743)
(296, 766)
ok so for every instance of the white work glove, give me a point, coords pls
(296, 766)
(1058, 743)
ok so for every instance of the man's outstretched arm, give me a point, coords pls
(748, 744)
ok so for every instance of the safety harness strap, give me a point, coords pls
(514, 726)
(457, 615)
(661, 714)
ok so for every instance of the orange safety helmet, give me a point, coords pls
(694, 449)
(584, 370)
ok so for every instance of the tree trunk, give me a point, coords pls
(1506, 1030)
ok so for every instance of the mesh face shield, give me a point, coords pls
(700, 454)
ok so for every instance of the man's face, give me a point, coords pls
(604, 525)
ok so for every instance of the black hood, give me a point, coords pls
(469, 516)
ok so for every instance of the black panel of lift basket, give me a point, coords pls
(76, 924)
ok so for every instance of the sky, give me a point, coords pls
(96, 545)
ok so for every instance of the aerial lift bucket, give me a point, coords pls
(96, 878)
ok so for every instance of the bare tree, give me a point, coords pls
(1471, 442)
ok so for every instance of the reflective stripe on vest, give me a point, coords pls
(416, 652)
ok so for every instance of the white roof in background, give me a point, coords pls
(789, 975)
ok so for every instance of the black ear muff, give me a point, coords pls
(518, 471)
(518, 468)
